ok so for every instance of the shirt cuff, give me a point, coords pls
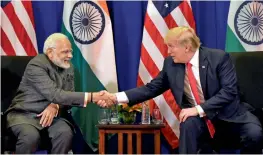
(86, 98)
(200, 111)
(122, 97)
(57, 109)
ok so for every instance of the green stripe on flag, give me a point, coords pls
(232, 43)
(85, 81)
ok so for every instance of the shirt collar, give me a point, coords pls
(195, 59)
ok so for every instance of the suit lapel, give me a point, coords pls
(179, 72)
(203, 64)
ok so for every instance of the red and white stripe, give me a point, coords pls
(18, 37)
(153, 53)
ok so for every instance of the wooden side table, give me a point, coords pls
(130, 129)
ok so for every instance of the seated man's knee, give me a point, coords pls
(64, 132)
(255, 134)
(190, 123)
(28, 136)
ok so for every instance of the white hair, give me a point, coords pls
(51, 41)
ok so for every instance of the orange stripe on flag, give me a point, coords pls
(104, 6)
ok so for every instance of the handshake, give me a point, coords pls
(104, 98)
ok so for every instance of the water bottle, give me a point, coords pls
(114, 119)
(145, 113)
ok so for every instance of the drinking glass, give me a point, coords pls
(114, 119)
(103, 116)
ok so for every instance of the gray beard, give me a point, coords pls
(60, 63)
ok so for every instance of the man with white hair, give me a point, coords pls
(44, 97)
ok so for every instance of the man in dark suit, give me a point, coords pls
(204, 84)
(44, 97)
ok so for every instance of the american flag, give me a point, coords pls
(18, 37)
(160, 17)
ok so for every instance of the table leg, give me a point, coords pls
(120, 143)
(157, 142)
(129, 143)
(139, 143)
(101, 141)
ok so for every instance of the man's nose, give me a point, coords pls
(169, 51)
(70, 55)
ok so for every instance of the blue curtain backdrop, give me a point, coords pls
(127, 20)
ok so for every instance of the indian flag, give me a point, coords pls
(245, 26)
(87, 24)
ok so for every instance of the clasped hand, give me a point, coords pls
(104, 98)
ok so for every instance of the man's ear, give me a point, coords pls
(49, 53)
(188, 48)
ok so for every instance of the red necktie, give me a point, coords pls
(193, 85)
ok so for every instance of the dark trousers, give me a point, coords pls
(29, 137)
(194, 133)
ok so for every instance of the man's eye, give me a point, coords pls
(67, 51)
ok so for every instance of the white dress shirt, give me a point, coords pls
(195, 68)
(122, 97)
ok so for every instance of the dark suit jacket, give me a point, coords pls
(43, 83)
(218, 81)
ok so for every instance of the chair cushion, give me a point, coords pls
(12, 70)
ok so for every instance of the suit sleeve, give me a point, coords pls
(37, 76)
(156, 87)
(228, 92)
(72, 81)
